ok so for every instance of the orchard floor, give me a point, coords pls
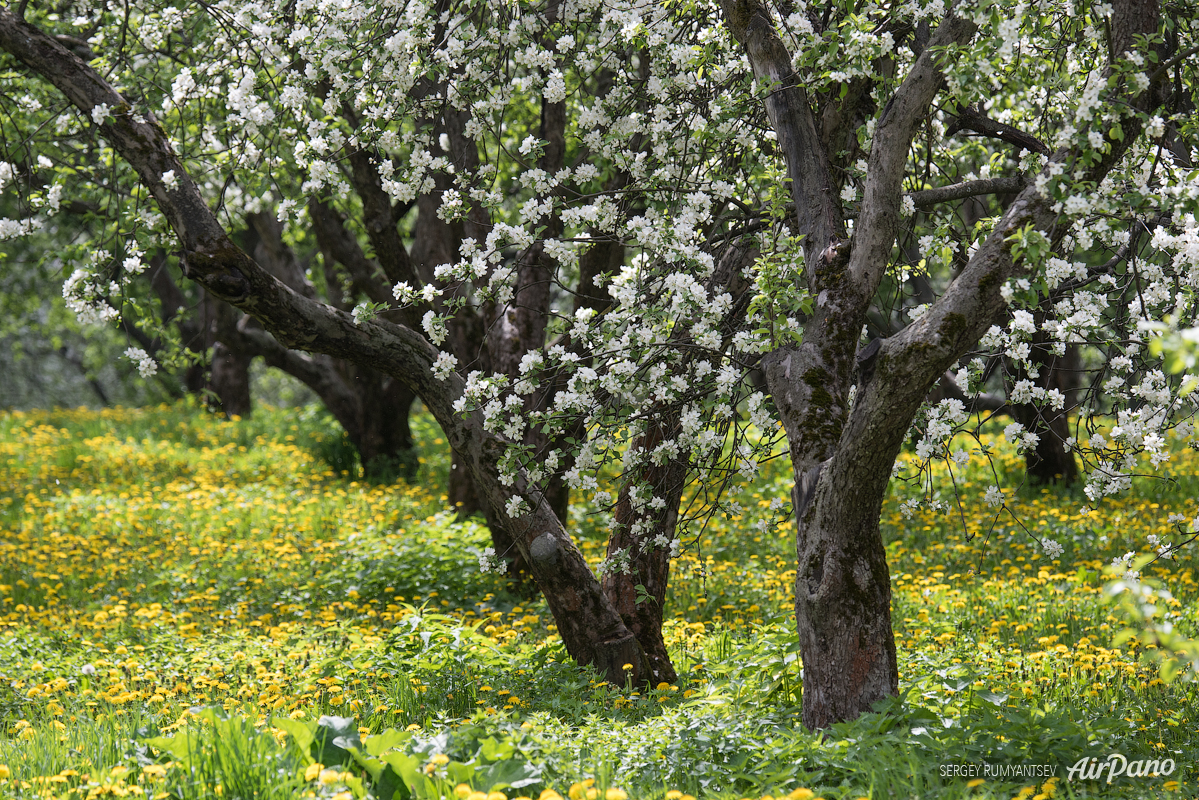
(198, 608)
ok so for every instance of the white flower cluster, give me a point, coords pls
(87, 298)
(943, 419)
(490, 562)
(146, 366)
(1124, 562)
(1023, 439)
(444, 365)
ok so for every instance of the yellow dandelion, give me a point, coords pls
(154, 772)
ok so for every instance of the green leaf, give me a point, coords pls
(493, 749)
(994, 698)
(301, 734)
(178, 746)
(334, 737)
(390, 739)
(408, 768)
(512, 773)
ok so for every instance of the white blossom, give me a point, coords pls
(444, 365)
(146, 366)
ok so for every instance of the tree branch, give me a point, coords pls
(817, 209)
(908, 107)
(927, 198)
(969, 119)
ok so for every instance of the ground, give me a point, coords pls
(191, 606)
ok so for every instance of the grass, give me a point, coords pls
(192, 607)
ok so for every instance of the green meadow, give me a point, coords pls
(197, 608)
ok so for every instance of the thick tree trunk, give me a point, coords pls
(843, 597)
(842, 586)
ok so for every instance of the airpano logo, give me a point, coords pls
(1092, 768)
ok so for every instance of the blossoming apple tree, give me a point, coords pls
(665, 240)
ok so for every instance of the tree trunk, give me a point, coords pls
(1049, 462)
(843, 598)
(384, 443)
(229, 380)
(643, 535)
